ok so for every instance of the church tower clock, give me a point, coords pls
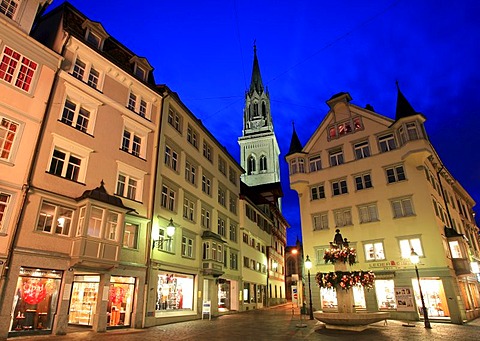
(259, 152)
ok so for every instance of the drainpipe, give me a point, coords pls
(26, 189)
(152, 210)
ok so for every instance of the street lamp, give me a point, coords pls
(308, 265)
(170, 230)
(415, 259)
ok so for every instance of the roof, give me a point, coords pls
(101, 194)
(404, 108)
(295, 144)
(256, 84)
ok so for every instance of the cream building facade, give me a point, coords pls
(381, 182)
(80, 254)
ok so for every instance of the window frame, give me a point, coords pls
(402, 201)
(336, 157)
(18, 70)
(393, 175)
(168, 198)
(189, 209)
(320, 221)
(87, 70)
(369, 216)
(126, 240)
(362, 150)
(137, 104)
(55, 223)
(11, 10)
(364, 183)
(6, 139)
(317, 192)
(385, 142)
(413, 241)
(339, 187)
(343, 217)
(315, 163)
(207, 151)
(175, 119)
(373, 251)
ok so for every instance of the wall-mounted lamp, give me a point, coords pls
(170, 230)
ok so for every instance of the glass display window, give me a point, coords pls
(329, 298)
(224, 295)
(84, 299)
(35, 300)
(434, 297)
(385, 293)
(120, 301)
(174, 292)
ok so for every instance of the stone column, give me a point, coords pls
(60, 323)
(345, 301)
(100, 317)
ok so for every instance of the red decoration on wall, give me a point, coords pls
(33, 290)
(117, 294)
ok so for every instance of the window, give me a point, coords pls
(233, 260)
(192, 136)
(112, 226)
(317, 192)
(245, 238)
(412, 131)
(363, 181)
(233, 203)
(187, 247)
(206, 218)
(95, 222)
(9, 7)
(221, 196)
(343, 217)
(4, 201)
(132, 143)
(407, 244)
(130, 236)
(251, 165)
(222, 165)
(128, 187)
(190, 172)
(233, 232)
(166, 242)
(140, 72)
(221, 227)
(395, 174)
(8, 132)
(16, 69)
(315, 163)
(346, 127)
(206, 184)
(320, 221)
(171, 158)
(374, 251)
(207, 151)
(368, 213)
(336, 157)
(232, 175)
(86, 73)
(54, 219)
(402, 207)
(137, 104)
(65, 164)
(362, 150)
(168, 198)
(175, 120)
(76, 116)
(93, 39)
(339, 187)
(188, 209)
(387, 143)
(263, 164)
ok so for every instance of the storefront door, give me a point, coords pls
(120, 301)
(84, 299)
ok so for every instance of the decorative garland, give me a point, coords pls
(345, 280)
(345, 254)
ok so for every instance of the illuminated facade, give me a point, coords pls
(382, 183)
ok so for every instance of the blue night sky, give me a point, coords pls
(309, 50)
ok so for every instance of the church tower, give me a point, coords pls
(259, 152)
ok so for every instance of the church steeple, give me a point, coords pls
(256, 84)
(258, 144)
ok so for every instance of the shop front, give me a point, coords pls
(329, 298)
(434, 297)
(84, 299)
(174, 292)
(35, 301)
(120, 301)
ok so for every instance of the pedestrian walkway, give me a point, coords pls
(274, 323)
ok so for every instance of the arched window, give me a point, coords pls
(251, 165)
(264, 109)
(255, 109)
(263, 163)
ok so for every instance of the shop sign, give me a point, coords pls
(390, 265)
(206, 309)
(404, 298)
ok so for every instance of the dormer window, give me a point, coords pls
(95, 34)
(141, 67)
(9, 7)
(345, 127)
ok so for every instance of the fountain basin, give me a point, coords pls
(357, 321)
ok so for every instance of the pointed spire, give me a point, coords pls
(295, 144)
(404, 108)
(256, 83)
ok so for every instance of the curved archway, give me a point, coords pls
(263, 163)
(251, 164)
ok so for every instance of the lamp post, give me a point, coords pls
(170, 231)
(308, 265)
(415, 259)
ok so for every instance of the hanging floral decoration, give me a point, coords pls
(346, 254)
(345, 280)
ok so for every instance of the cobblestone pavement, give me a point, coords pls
(270, 325)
